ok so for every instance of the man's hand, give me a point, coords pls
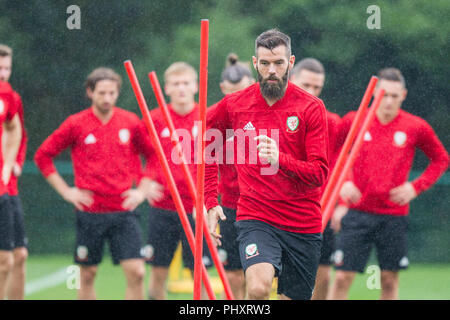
(212, 218)
(403, 194)
(133, 198)
(17, 170)
(350, 193)
(339, 213)
(155, 192)
(267, 149)
(78, 197)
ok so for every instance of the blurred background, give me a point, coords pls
(51, 63)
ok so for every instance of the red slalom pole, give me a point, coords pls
(348, 143)
(188, 177)
(164, 164)
(202, 101)
(329, 209)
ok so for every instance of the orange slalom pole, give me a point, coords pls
(202, 101)
(348, 143)
(164, 164)
(329, 209)
(190, 182)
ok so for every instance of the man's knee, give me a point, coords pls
(389, 281)
(236, 278)
(136, 274)
(6, 261)
(343, 279)
(323, 275)
(88, 274)
(20, 257)
(259, 279)
(259, 290)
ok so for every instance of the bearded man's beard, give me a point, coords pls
(273, 90)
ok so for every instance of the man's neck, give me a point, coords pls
(183, 109)
(104, 117)
(385, 118)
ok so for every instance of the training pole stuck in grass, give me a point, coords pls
(202, 101)
(329, 209)
(167, 173)
(189, 180)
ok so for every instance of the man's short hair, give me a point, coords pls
(391, 74)
(271, 39)
(100, 74)
(178, 68)
(5, 51)
(309, 64)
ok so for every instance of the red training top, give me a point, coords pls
(287, 196)
(187, 131)
(8, 109)
(333, 121)
(104, 156)
(228, 181)
(386, 158)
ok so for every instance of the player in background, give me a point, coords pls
(16, 281)
(235, 77)
(278, 212)
(165, 230)
(105, 142)
(309, 74)
(378, 192)
(10, 143)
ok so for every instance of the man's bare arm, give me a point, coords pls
(11, 137)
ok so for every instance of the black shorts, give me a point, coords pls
(328, 246)
(295, 256)
(121, 229)
(165, 232)
(229, 250)
(12, 227)
(361, 230)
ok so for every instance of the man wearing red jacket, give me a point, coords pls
(10, 137)
(105, 143)
(280, 173)
(309, 74)
(16, 282)
(165, 229)
(235, 77)
(378, 192)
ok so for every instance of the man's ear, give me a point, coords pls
(291, 62)
(255, 62)
(89, 93)
(221, 87)
(405, 93)
(165, 90)
(196, 87)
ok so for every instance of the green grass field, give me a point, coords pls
(46, 280)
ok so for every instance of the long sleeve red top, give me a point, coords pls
(187, 131)
(8, 109)
(386, 158)
(104, 156)
(287, 198)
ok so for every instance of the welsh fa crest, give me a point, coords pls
(251, 250)
(292, 123)
(400, 138)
